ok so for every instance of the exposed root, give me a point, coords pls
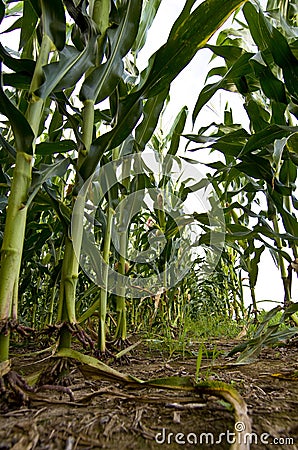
(121, 357)
(103, 356)
(115, 352)
(52, 387)
(77, 331)
(121, 344)
(56, 374)
(15, 388)
(13, 325)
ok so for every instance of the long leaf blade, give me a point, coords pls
(103, 79)
(22, 131)
(184, 41)
(54, 22)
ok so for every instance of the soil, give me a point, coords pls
(108, 415)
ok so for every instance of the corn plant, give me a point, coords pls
(25, 124)
(265, 156)
(93, 46)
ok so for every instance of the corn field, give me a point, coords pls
(110, 235)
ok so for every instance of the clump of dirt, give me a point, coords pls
(109, 415)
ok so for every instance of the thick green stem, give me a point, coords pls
(68, 283)
(122, 266)
(288, 207)
(88, 123)
(14, 233)
(70, 266)
(4, 347)
(36, 104)
(100, 11)
(65, 337)
(66, 308)
(121, 301)
(50, 315)
(104, 289)
(284, 273)
(13, 241)
(254, 301)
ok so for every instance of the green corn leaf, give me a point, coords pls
(15, 26)
(268, 37)
(260, 168)
(281, 336)
(289, 220)
(55, 127)
(22, 131)
(149, 11)
(268, 316)
(288, 172)
(35, 240)
(45, 173)
(188, 35)
(258, 115)
(127, 147)
(130, 110)
(28, 25)
(292, 143)
(18, 81)
(232, 143)
(254, 268)
(185, 13)
(186, 38)
(229, 52)
(127, 350)
(199, 361)
(151, 112)
(92, 365)
(61, 209)
(49, 148)
(95, 369)
(292, 309)
(258, 29)
(284, 57)
(176, 131)
(70, 68)
(54, 22)
(255, 347)
(278, 114)
(240, 232)
(267, 136)
(9, 148)
(278, 149)
(239, 69)
(272, 87)
(36, 6)
(77, 11)
(17, 65)
(103, 79)
(2, 10)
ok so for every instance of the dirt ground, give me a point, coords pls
(108, 415)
